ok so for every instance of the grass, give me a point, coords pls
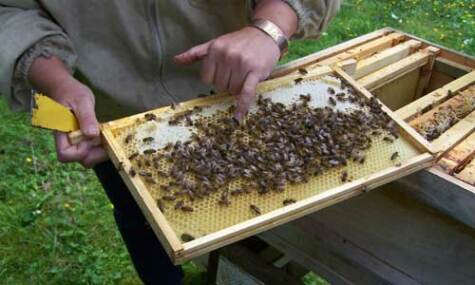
(56, 225)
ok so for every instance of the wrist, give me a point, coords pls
(48, 74)
(274, 32)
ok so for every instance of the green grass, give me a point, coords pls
(56, 225)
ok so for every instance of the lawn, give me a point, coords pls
(56, 225)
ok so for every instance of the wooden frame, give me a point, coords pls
(180, 252)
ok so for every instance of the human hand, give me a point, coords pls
(235, 62)
(50, 76)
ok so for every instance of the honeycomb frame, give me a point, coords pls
(219, 226)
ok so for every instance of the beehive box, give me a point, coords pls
(210, 225)
(431, 88)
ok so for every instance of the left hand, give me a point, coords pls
(235, 62)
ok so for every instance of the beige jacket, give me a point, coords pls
(123, 49)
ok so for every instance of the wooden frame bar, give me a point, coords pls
(456, 158)
(455, 134)
(384, 58)
(328, 52)
(395, 70)
(435, 97)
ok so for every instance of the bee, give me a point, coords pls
(161, 205)
(298, 80)
(288, 201)
(331, 90)
(128, 139)
(145, 173)
(303, 71)
(173, 106)
(150, 180)
(305, 98)
(133, 155)
(394, 155)
(224, 199)
(187, 208)
(211, 92)
(148, 139)
(120, 166)
(150, 117)
(187, 237)
(179, 204)
(149, 151)
(344, 176)
(255, 209)
(132, 172)
(169, 197)
(165, 188)
(388, 139)
(332, 101)
(398, 164)
(236, 192)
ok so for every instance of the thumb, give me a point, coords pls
(84, 111)
(194, 54)
(245, 97)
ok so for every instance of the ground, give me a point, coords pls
(56, 225)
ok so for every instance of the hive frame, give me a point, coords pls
(180, 252)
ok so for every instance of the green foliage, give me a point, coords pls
(56, 225)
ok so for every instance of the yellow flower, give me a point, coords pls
(28, 159)
(67, 205)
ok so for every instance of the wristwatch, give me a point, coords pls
(273, 31)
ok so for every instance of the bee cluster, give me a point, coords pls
(277, 145)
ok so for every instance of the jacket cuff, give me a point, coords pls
(313, 16)
(56, 45)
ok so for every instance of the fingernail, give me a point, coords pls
(92, 132)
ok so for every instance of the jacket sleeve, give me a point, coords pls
(26, 32)
(314, 16)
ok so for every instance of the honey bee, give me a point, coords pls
(332, 101)
(179, 204)
(149, 151)
(132, 172)
(303, 71)
(187, 237)
(394, 155)
(161, 205)
(145, 173)
(344, 176)
(288, 201)
(128, 139)
(169, 197)
(187, 208)
(298, 80)
(388, 139)
(255, 209)
(148, 139)
(330, 90)
(173, 106)
(133, 155)
(150, 117)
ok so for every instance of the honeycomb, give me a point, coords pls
(208, 216)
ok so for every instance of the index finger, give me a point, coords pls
(245, 97)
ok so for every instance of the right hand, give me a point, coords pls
(80, 100)
(49, 75)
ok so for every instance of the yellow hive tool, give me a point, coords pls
(49, 114)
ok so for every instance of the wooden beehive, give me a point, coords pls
(431, 88)
(213, 227)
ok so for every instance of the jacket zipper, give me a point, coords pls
(160, 50)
